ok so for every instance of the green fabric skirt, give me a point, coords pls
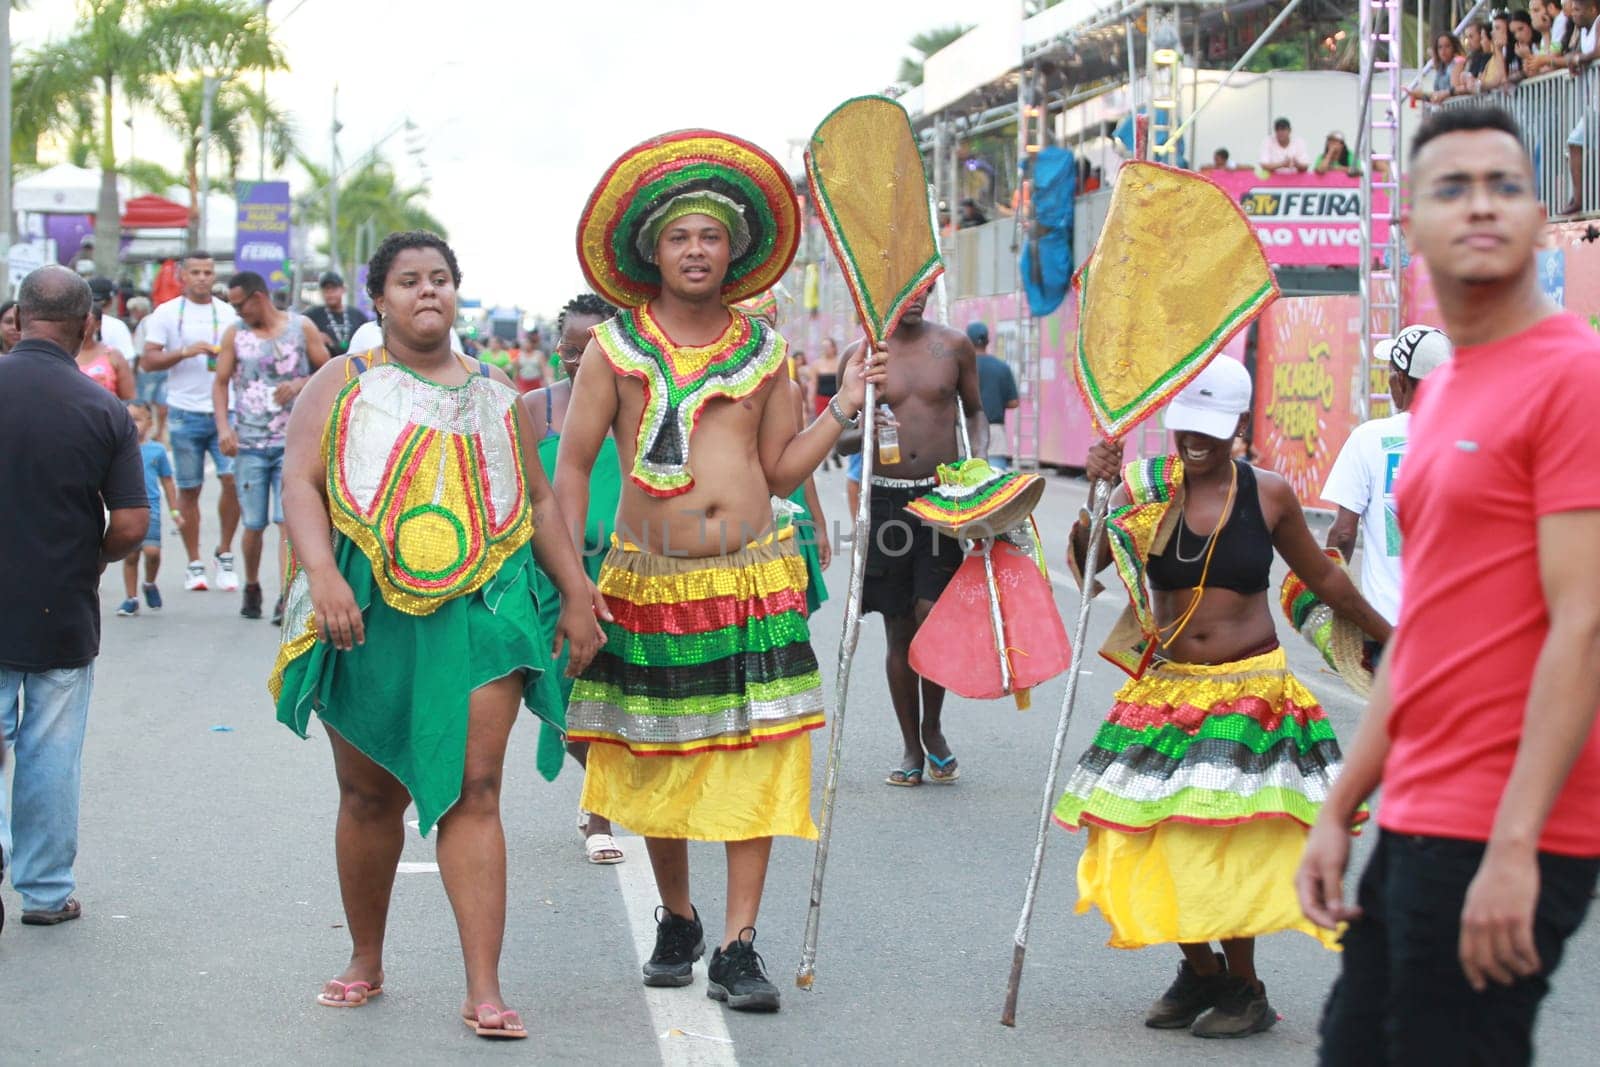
(605, 490)
(401, 698)
(805, 538)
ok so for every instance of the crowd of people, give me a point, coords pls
(605, 551)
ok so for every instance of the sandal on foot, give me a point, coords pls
(510, 1023)
(902, 777)
(938, 773)
(366, 989)
(603, 849)
(600, 848)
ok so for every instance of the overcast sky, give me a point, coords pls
(522, 105)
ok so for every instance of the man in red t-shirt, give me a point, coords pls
(1480, 722)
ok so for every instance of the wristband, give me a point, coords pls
(840, 417)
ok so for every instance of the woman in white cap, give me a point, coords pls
(1199, 787)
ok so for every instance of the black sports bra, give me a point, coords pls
(1242, 561)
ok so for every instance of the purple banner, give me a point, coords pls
(261, 242)
(68, 232)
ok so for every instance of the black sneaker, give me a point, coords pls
(277, 612)
(738, 978)
(1187, 998)
(1241, 1010)
(679, 942)
(252, 601)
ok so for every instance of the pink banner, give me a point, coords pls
(1303, 219)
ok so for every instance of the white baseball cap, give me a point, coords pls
(1418, 351)
(1212, 403)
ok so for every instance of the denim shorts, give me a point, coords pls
(192, 434)
(150, 386)
(259, 475)
(152, 536)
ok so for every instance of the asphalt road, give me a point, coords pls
(212, 913)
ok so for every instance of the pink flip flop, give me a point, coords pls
(508, 1018)
(367, 989)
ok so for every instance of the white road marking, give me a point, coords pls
(688, 1025)
(407, 867)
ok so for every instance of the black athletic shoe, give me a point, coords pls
(1241, 1010)
(277, 612)
(252, 601)
(679, 942)
(1189, 996)
(738, 978)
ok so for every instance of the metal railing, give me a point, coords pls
(1554, 110)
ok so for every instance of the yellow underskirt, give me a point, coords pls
(734, 795)
(1183, 883)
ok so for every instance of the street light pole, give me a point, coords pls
(261, 116)
(208, 94)
(333, 185)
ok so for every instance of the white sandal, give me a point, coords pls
(602, 849)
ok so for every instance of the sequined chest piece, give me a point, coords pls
(678, 381)
(427, 480)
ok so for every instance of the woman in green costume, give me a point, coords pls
(410, 626)
(545, 411)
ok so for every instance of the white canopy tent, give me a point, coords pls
(64, 190)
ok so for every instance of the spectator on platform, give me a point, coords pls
(1336, 157)
(1448, 63)
(1283, 152)
(1497, 72)
(1220, 160)
(1526, 41)
(972, 214)
(1587, 50)
(1475, 42)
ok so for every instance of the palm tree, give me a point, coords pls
(127, 47)
(371, 200)
(927, 43)
(234, 106)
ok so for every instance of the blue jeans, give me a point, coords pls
(150, 387)
(192, 435)
(39, 816)
(259, 477)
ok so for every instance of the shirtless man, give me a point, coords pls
(697, 709)
(908, 563)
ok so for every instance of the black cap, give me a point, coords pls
(102, 287)
(331, 277)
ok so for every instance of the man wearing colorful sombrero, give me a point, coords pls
(698, 707)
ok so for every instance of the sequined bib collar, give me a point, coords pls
(678, 380)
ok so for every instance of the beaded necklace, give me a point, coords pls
(183, 302)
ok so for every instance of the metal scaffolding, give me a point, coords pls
(1382, 265)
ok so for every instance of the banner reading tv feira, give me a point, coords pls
(261, 241)
(1304, 220)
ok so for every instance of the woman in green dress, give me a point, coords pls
(545, 411)
(410, 629)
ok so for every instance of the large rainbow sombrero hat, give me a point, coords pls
(724, 177)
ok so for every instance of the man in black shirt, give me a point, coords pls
(336, 322)
(71, 454)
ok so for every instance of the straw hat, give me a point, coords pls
(1339, 639)
(973, 500)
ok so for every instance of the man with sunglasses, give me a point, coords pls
(268, 357)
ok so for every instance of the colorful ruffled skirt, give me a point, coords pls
(402, 697)
(1198, 792)
(699, 705)
(807, 537)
